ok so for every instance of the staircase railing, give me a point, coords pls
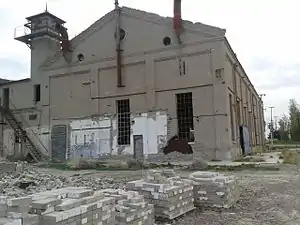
(23, 121)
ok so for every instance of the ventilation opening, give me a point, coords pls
(167, 41)
(122, 34)
(80, 57)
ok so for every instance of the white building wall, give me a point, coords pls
(93, 138)
(90, 138)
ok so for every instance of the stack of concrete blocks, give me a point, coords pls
(16, 212)
(172, 197)
(66, 206)
(131, 208)
(214, 190)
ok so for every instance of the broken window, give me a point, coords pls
(124, 122)
(37, 92)
(231, 118)
(185, 117)
(32, 117)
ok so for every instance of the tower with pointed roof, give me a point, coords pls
(42, 36)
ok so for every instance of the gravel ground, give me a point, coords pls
(267, 197)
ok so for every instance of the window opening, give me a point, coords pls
(124, 122)
(185, 117)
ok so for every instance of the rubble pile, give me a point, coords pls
(172, 197)
(31, 181)
(72, 205)
(7, 168)
(215, 190)
(131, 207)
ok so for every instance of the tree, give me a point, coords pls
(294, 117)
(284, 128)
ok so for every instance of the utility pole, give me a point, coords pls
(262, 120)
(271, 127)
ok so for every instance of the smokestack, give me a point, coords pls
(177, 20)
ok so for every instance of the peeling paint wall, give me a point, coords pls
(90, 138)
(97, 137)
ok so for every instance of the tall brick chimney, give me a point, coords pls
(177, 20)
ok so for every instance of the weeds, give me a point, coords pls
(289, 156)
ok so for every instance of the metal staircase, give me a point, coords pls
(35, 152)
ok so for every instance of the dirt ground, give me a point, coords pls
(267, 197)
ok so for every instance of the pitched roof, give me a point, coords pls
(150, 17)
(206, 30)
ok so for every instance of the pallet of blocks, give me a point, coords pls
(171, 197)
(66, 206)
(214, 190)
(131, 208)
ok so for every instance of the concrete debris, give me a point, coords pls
(7, 168)
(215, 190)
(172, 197)
(31, 181)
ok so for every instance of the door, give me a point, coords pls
(6, 98)
(245, 140)
(59, 142)
(138, 147)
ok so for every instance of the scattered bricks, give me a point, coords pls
(215, 190)
(171, 198)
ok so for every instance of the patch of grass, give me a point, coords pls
(104, 165)
(249, 159)
(289, 156)
(241, 167)
(258, 150)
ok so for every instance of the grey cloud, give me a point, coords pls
(12, 69)
(279, 76)
(259, 64)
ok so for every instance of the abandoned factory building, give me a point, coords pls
(125, 85)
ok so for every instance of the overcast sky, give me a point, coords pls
(265, 35)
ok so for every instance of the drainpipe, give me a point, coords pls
(118, 45)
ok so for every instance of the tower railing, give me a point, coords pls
(21, 31)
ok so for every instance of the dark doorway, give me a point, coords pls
(6, 98)
(138, 147)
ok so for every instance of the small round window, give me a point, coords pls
(122, 34)
(167, 41)
(80, 57)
